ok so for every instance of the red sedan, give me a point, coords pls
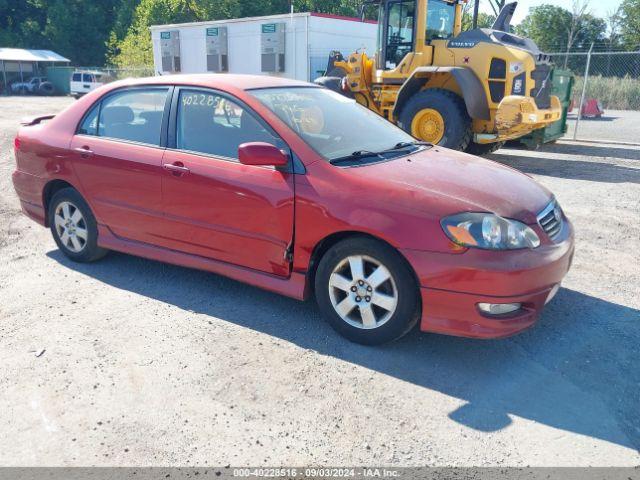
(298, 190)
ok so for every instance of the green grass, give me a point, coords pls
(615, 93)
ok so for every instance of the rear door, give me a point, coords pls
(76, 83)
(87, 82)
(117, 155)
(215, 206)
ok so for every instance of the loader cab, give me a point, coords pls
(407, 26)
(396, 29)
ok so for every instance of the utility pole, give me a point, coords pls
(584, 92)
(476, 6)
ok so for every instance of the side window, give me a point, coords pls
(89, 125)
(77, 77)
(213, 124)
(133, 115)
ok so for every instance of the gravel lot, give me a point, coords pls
(151, 364)
(614, 126)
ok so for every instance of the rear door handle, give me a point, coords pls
(177, 168)
(84, 151)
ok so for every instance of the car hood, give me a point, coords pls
(443, 182)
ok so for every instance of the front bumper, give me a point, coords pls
(517, 116)
(452, 285)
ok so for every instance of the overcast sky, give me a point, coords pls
(596, 7)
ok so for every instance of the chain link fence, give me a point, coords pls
(606, 92)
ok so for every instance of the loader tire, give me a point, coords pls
(437, 116)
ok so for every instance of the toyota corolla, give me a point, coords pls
(293, 188)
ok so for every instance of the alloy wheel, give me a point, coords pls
(363, 292)
(71, 226)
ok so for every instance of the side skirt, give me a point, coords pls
(295, 286)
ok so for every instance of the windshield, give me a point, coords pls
(333, 125)
(440, 19)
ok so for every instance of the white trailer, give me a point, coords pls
(294, 45)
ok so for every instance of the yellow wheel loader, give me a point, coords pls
(468, 90)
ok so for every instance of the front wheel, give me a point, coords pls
(367, 291)
(437, 116)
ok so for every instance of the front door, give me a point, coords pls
(214, 206)
(118, 159)
(398, 37)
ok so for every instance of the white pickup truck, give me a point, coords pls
(38, 85)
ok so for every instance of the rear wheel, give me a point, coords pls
(437, 116)
(74, 227)
(483, 148)
(366, 291)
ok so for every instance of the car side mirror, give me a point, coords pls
(261, 153)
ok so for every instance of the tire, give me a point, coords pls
(45, 89)
(396, 289)
(483, 148)
(79, 247)
(451, 108)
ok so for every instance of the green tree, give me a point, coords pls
(546, 25)
(78, 29)
(630, 23)
(22, 23)
(349, 8)
(485, 20)
(555, 29)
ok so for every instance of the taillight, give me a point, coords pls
(16, 144)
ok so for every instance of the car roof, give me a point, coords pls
(217, 80)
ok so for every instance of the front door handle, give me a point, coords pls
(177, 168)
(85, 151)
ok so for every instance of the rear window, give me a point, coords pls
(76, 77)
(87, 77)
(130, 115)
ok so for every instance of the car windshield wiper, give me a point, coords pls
(355, 155)
(403, 145)
(368, 153)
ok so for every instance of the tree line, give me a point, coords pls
(116, 32)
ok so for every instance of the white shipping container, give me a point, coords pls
(294, 46)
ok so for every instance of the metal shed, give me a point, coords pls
(19, 65)
(293, 45)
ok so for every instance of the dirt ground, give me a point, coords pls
(151, 364)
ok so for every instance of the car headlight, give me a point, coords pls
(489, 231)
